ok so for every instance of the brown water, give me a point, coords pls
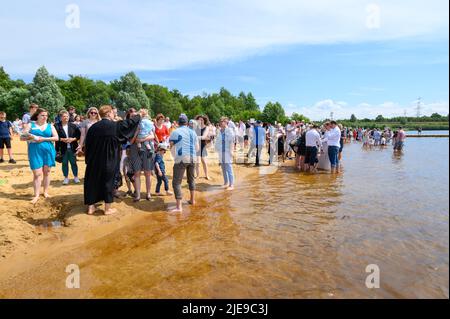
(289, 235)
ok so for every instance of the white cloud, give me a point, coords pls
(117, 36)
(322, 109)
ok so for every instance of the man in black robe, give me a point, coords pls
(102, 149)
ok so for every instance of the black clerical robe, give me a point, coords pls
(102, 154)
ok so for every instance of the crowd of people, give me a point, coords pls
(119, 149)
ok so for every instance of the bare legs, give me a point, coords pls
(46, 180)
(40, 175)
(9, 153)
(137, 186)
(148, 183)
(179, 207)
(204, 165)
(37, 180)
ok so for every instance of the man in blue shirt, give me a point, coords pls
(5, 137)
(257, 142)
(184, 146)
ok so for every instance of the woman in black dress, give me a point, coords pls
(203, 135)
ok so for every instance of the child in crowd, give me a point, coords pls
(6, 131)
(128, 171)
(160, 170)
(145, 129)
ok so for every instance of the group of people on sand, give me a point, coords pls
(117, 150)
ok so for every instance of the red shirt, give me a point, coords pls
(162, 133)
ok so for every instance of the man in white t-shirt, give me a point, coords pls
(332, 138)
(313, 142)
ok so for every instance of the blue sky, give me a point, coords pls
(348, 56)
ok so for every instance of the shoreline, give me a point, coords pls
(25, 240)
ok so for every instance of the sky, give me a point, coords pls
(314, 57)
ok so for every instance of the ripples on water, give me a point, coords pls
(296, 235)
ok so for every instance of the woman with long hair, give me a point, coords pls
(92, 117)
(41, 151)
(203, 136)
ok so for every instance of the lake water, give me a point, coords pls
(429, 132)
(282, 235)
(296, 235)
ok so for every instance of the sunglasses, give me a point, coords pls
(94, 113)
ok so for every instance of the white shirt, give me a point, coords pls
(313, 138)
(66, 130)
(290, 132)
(224, 145)
(242, 129)
(333, 137)
(168, 125)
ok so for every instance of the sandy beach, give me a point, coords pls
(30, 233)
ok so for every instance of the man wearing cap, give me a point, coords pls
(184, 146)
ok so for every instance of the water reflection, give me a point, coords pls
(294, 235)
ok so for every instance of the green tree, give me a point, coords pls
(12, 102)
(379, 118)
(273, 112)
(353, 118)
(300, 118)
(162, 101)
(5, 82)
(129, 93)
(45, 92)
(436, 116)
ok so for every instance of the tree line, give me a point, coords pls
(82, 92)
(128, 91)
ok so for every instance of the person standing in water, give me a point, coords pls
(202, 131)
(184, 145)
(312, 141)
(332, 138)
(224, 148)
(258, 137)
(400, 139)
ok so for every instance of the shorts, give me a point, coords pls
(398, 145)
(5, 141)
(311, 155)
(302, 150)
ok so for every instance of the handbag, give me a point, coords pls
(59, 157)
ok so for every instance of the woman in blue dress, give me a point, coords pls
(41, 151)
